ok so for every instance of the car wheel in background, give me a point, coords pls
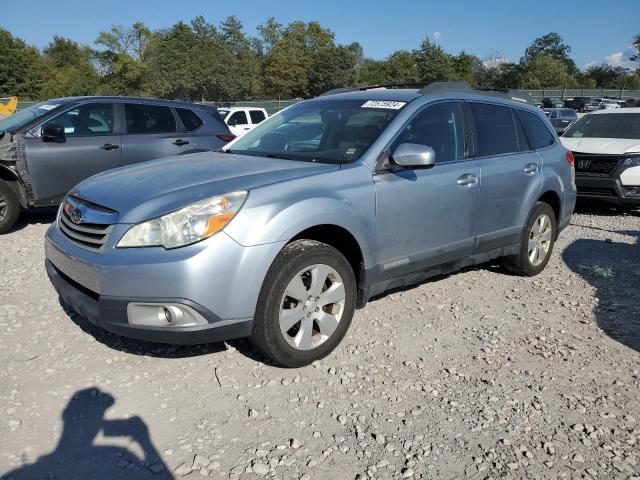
(306, 304)
(9, 207)
(536, 244)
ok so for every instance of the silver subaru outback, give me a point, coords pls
(281, 235)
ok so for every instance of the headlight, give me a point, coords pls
(631, 162)
(188, 225)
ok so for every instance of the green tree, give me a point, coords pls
(544, 71)
(373, 72)
(22, 70)
(636, 46)
(551, 45)
(467, 68)
(433, 63)
(70, 70)
(402, 67)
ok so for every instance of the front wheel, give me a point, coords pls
(306, 304)
(536, 244)
(9, 207)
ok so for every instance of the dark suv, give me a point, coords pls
(49, 147)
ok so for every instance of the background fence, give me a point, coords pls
(272, 106)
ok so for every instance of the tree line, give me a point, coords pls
(202, 61)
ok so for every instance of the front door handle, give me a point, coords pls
(109, 146)
(180, 142)
(530, 169)
(467, 180)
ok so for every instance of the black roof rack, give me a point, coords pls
(443, 87)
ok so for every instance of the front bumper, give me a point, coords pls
(218, 278)
(609, 189)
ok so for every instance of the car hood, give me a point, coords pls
(146, 190)
(602, 146)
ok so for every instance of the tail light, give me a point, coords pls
(226, 137)
(570, 159)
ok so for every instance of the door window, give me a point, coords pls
(256, 116)
(190, 119)
(238, 118)
(149, 119)
(495, 129)
(537, 132)
(85, 120)
(440, 127)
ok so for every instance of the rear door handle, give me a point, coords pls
(467, 180)
(180, 142)
(530, 169)
(109, 146)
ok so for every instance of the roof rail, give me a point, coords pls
(510, 94)
(371, 87)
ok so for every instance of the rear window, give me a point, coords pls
(537, 132)
(238, 118)
(190, 119)
(149, 119)
(608, 125)
(495, 128)
(569, 113)
(256, 116)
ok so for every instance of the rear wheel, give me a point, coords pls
(9, 207)
(538, 238)
(306, 304)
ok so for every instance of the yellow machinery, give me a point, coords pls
(8, 106)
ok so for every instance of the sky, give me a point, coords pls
(482, 27)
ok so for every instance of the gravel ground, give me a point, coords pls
(476, 375)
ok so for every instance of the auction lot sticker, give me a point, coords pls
(384, 104)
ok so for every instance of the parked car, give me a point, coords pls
(281, 235)
(242, 119)
(610, 104)
(49, 147)
(549, 102)
(576, 103)
(606, 147)
(631, 103)
(594, 105)
(561, 118)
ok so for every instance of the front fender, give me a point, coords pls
(279, 213)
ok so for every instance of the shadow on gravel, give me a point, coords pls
(159, 350)
(613, 269)
(76, 456)
(43, 215)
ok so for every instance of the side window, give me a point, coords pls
(495, 129)
(238, 118)
(537, 132)
(256, 116)
(85, 120)
(149, 118)
(190, 119)
(440, 127)
(523, 142)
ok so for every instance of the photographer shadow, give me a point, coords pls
(613, 269)
(76, 456)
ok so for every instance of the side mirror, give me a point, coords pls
(52, 131)
(414, 155)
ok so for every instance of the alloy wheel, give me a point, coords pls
(312, 307)
(540, 240)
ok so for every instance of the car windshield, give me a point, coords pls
(610, 125)
(22, 117)
(330, 131)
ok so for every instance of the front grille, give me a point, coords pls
(596, 165)
(596, 192)
(83, 233)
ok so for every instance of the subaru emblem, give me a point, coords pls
(76, 215)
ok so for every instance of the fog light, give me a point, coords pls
(163, 315)
(632, 191)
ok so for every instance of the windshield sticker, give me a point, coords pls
(384, 104)
(47, 106)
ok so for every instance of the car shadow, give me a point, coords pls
(613, 269)
(160, 350)
(36, 216)
(77, 456)
(603, 208)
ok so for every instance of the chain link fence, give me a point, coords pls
(273, 106)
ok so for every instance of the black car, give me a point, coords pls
(576, 103)
(549, 102)
(631, 103)
(561, 118)
(46, 149)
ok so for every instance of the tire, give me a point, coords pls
(316, 327)
(522, 264)
(9, 207)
